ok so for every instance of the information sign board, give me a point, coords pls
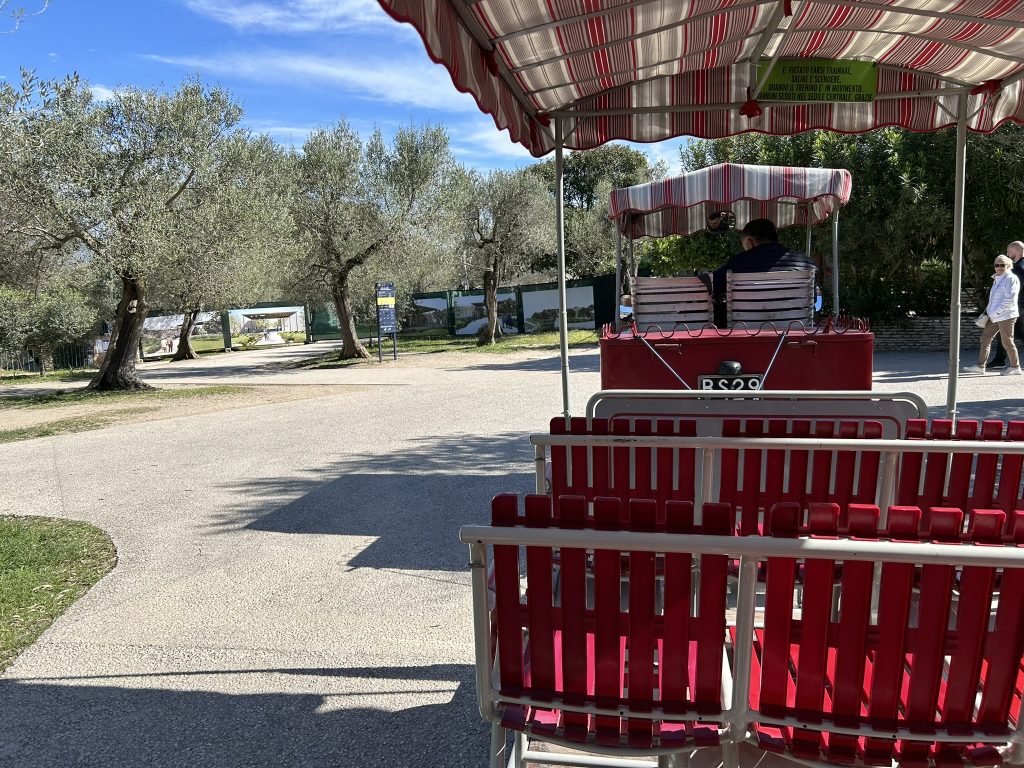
(387, 321)
(813, 80)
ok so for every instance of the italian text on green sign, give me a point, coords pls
(813, 80)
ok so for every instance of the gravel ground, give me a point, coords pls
(290, 589)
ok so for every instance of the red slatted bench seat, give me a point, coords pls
(901, 652)
(979, 465)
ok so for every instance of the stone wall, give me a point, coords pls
(923, 334)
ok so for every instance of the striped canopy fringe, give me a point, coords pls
(650, 70)
(681, 205)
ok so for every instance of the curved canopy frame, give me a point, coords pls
(650, 70)
(680, 206)
(575, 74)
(790, 197)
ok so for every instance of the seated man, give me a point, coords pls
(762, 252)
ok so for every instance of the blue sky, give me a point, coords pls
(295, 65)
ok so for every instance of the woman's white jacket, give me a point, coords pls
(1002, 299)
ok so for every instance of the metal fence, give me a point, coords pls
(65, 357)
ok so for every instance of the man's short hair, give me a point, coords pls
(760, 231)
(1016, 244)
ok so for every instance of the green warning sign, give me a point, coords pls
(830, 80)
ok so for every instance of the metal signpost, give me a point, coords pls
(387, 321)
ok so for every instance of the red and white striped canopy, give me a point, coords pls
(681, 205)
(648, 70)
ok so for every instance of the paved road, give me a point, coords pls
(290, 590)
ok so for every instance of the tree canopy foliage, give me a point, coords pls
(896, 231)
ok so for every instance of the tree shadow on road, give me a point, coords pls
(588, 362)
(101, 723)
(412, 501)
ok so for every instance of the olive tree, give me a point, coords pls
(231, 234)
(509, 225)
(115, 178)
(359, 206)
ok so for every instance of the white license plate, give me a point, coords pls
(746, 382)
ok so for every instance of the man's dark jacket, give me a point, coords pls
(766, 257)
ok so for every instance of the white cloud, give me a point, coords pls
(101, 92)
(51, 56)
(292, 16)
(395, 81)
(483, 146)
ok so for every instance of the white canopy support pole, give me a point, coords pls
(958, 251)
(629, 246)
(618, 275)
(563, 317)
(807, 241)
(835, 262)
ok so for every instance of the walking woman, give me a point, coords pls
(1002, 314)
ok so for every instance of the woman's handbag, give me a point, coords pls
(982, 320)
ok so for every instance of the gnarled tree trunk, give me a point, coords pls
(185, 350)
(492, 331)
(117, 371)
(350, 346)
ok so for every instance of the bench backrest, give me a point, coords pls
(747, 478)
(666, 302)
(781, 298)
(751, 479)
(879, 649)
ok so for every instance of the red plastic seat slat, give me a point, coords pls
(559, 460)
(1004, 647)
(821, 462)
(607, 639)
(600, 458)
(960, 468)
(710, 630)
(928, 645)
(541, 647)
(729, 461)
(642, 587)
(983, 493)
(797, 490)
(504, 512)
(643, 462)
(775, 463)
(749, 496)
(850, 670)
(867, 473)
(621, 460)
(815, 618)
(676, 647)
(1010, 471)
(909, 477)
(573, 601)
(893, 620)
(973, 606)
(935, 470)
(776, 686)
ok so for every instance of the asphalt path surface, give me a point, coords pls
(290, 589)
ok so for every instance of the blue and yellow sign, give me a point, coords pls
(387, 321)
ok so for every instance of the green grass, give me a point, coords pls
(439, 341)
(75, 374)
(45, 565)
(547, 340)
(76, 396)
(442, 342)
(50, 428)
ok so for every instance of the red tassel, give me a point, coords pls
(544, 120)
(751, 109)
(787, 7)
(989, 87)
